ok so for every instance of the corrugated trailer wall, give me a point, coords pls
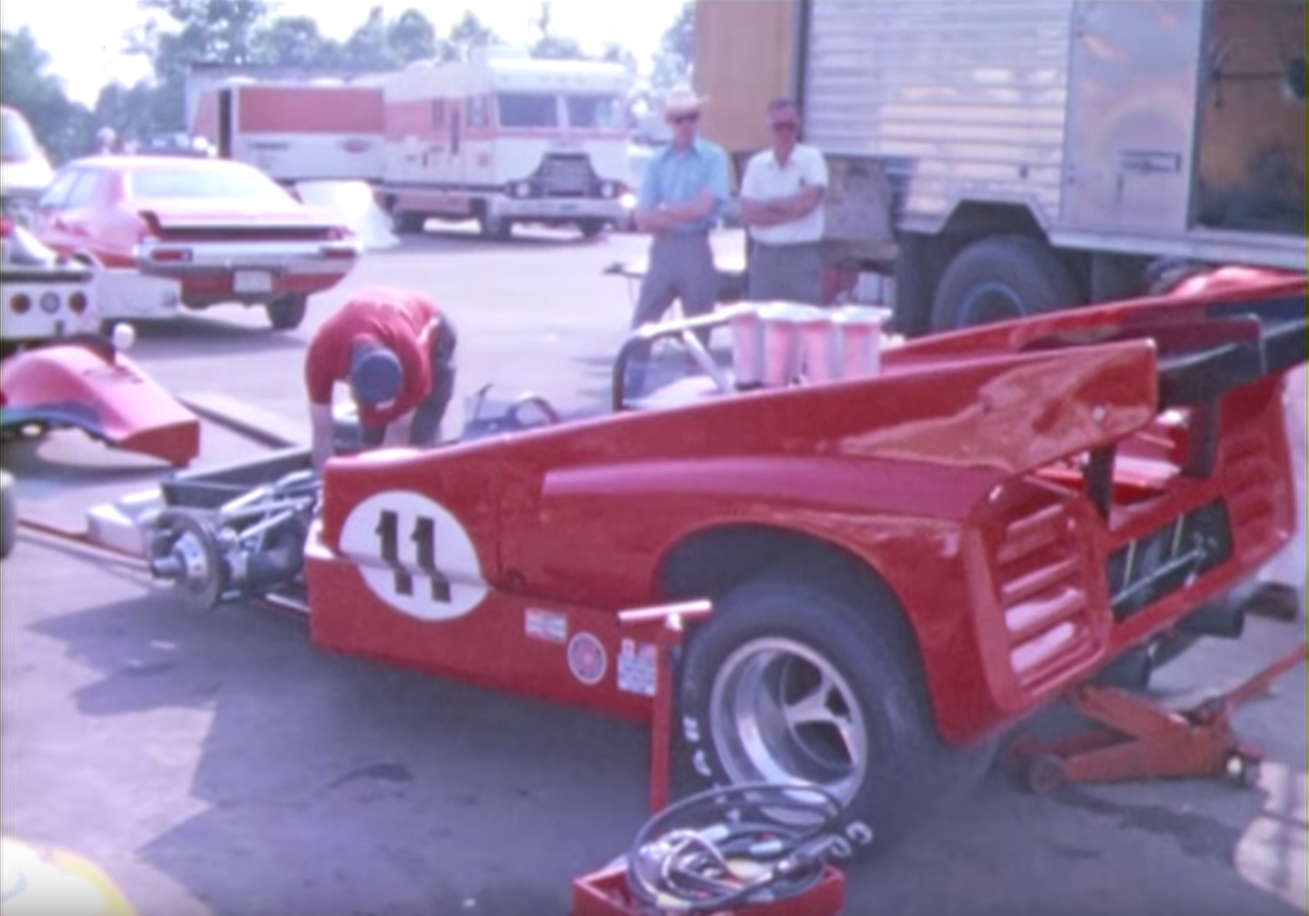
(957, 98)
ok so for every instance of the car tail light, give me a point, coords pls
(6, 228)
(171, 255)
(49, 303)
(77, 303)
(21, 304)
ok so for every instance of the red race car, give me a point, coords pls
(902, 561)
(224, 230)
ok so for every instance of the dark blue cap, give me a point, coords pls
(375, 375)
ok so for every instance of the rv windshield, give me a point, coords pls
(522, 109)
(596, 112)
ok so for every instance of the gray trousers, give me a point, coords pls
(788, 273)
(681, 267)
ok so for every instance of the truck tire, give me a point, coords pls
(407, 222)
(999, 279)
(791, 681)
(8, 514)
(287, 312)
(496, 228)
(590, 228)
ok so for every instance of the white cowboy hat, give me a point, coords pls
(683, 100)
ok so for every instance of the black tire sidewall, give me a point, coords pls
(288, 312)
(903, 742)
(1030, 269)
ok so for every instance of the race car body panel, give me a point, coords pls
(1036, 496)
(88, 386)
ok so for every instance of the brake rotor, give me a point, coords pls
(187, 552)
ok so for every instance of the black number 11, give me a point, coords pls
(424, 539)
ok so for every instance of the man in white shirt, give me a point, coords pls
(781, 205)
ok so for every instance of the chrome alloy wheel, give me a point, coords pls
(782, 712)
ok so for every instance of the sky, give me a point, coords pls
(89, 55)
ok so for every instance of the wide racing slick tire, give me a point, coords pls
(287, 313)
(791, 681)
(1000, 279)
(8, 514)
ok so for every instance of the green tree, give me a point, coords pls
(672, 62)
(379, 44)
(180, 33)
(130, 111)
(468, 34)
(294, 41)
(548, 44)
(65, 128)
(412, 37)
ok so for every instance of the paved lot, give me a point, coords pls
(220, 764)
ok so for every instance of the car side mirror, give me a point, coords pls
(1295, 77)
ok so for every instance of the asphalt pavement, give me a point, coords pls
(220, 764)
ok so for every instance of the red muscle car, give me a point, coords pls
(224, 230)
(901, 566)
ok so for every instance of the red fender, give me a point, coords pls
(90, 387)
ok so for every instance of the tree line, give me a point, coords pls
(174, 34)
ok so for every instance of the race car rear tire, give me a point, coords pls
(8, 514)
(287, 312)
(1000, 279)
(789, 680)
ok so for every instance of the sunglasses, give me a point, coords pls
(684, 118)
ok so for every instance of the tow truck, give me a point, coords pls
(59, 371)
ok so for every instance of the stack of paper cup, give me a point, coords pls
(747, 346)
(781, 334)
(858, 332)
(820, 346)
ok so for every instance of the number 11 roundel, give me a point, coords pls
(414, 555)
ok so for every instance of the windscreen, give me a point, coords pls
(522, 109)
(17, 143)
(596, 112)
(164, 184)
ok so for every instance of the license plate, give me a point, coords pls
(252, 281)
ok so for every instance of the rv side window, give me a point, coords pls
(521, 109)
(476, 111)
(438, 113)
(595, 112)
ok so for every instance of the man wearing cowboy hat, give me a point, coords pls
(682, 195)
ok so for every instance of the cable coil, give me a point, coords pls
(752, 843)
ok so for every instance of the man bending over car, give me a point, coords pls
(395, 350)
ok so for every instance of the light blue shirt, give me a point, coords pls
(674, 176)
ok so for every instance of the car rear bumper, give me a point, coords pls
(558, 209)
(248, 272)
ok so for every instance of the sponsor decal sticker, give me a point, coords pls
(547, 626)
(587, 659)
(638, 667)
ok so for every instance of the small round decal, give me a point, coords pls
(587, 659)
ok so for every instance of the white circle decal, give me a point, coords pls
(414, 555)
(587, 659)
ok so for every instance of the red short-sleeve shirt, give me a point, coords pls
(397, 319)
